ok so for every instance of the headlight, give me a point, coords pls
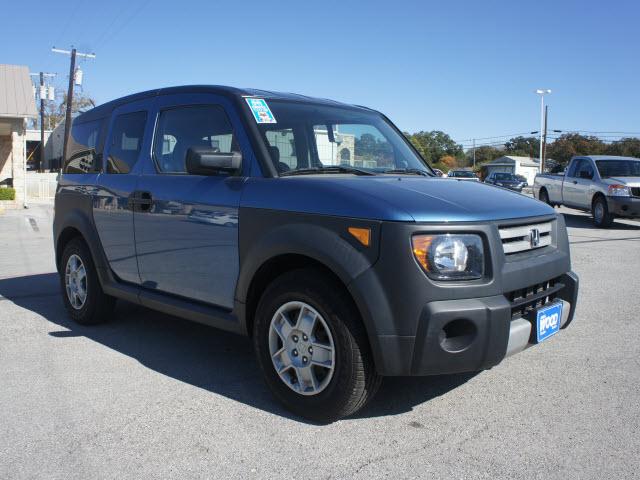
(450, 256)
(619, 191)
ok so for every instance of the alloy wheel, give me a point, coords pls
(302, 348)
(75, 280)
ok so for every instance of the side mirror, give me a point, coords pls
(586, 175)
(208, 161)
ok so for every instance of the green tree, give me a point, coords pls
(368, 147)
(435, 144)
(56, 110)
(484, 154)
(523, 146)
(626, 147)
(571, 144)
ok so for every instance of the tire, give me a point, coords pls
(600, 212)
(95, 307)
(543, 196)
(353, 380)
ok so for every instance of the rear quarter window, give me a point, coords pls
(82, 155)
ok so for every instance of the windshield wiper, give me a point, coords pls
(329, 169)
(408, 171)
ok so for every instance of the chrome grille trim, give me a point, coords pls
(519, 238)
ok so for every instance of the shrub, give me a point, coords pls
(7, 194)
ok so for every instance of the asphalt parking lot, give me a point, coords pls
(153, 396)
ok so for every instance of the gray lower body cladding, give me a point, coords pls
(421, 327)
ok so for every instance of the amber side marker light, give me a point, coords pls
(421, 244)
(363, 235)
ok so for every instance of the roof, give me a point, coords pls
(106, 108)
(512, 159)
(606, 157)
(16, 92)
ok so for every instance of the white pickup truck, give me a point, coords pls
(607, 186)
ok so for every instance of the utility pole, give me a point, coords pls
(72, 74)
(544, 139)
(542, 92)
(474, 153)
(43, 96)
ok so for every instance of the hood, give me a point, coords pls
(395, 198)
(629, 181)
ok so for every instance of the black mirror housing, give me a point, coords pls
(207, 161)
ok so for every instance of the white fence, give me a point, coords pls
(41, 186)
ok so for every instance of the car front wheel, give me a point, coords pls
(600, 211)
(312, 347)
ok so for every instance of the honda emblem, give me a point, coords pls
(534, 237)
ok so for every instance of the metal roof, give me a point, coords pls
(16, 92)
(106, 108)
(511, 159)
(605, 157)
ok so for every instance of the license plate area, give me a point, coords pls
(546, 322)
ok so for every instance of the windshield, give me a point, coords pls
(505, 176)
(312, 136)
(618, 168)
(463, 174)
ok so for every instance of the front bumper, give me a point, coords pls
(467, 335)
(420, 327)
(515, 188)
(624, 206)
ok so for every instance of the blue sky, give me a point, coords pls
(467, 68)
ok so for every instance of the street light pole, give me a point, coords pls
(542, 92)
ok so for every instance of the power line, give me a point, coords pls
(109, 26)
(127, 20)
(497, 136)
(598, 131)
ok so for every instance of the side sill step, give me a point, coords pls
(208, 315)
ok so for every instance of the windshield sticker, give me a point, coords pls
(260, 110)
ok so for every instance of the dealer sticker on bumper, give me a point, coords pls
(548, 321)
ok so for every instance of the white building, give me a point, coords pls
(526, 166)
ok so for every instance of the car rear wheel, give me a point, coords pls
(600, 211)
(83, 297)
(543, 196)
(312, 347)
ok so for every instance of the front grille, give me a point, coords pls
(526, 300)
(522, 238)
(635, 191)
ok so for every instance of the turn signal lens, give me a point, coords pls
(421, 244)
(449, 256)
(363, 235)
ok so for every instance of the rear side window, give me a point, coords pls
(82, 154)
(125, 142)
(181, 128)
